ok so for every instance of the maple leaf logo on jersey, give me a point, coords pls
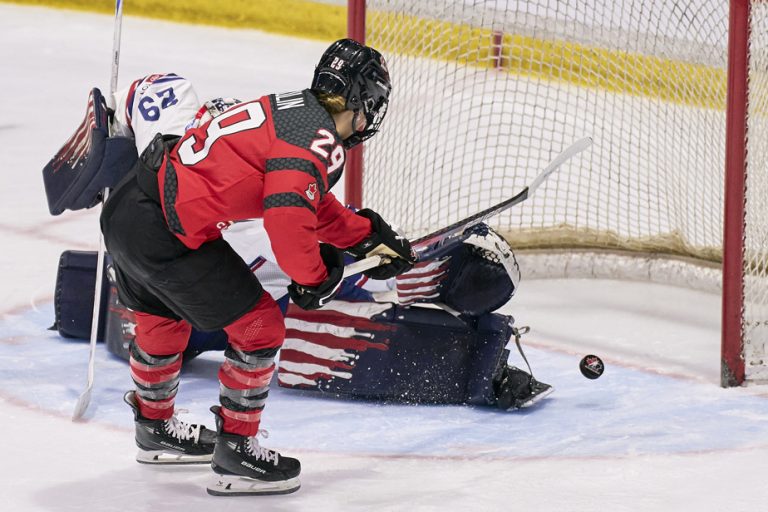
(311, 191)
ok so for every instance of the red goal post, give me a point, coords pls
(675, 95)
(734, 257)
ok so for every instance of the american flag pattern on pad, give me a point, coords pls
(78, 145)
(422, 282)
(324, 345)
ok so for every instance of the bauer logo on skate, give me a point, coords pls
(323, 345)
(251, 466)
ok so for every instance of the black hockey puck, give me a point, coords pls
(591, 367)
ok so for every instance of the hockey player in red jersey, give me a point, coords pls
(274, 158)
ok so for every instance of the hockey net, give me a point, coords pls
(487, 93)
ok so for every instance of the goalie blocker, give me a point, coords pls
(88, 162)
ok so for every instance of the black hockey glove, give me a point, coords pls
(315, 297)
(385, 241)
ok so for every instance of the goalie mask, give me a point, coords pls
(474, 275)
(359, 74)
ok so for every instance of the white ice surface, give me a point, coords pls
(654, 433)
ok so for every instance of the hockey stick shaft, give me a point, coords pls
(363, 265)
(116, 36)
(84, 399)
(423, 243)
(461, 225)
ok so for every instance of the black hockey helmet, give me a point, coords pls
(359, 74)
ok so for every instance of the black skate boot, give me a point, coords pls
(516, 389)
(244, 468)
(170, 441)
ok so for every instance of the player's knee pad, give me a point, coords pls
(161, 336)
(262, 327)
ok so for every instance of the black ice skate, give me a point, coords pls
(244, 468)
(170, 441)
(516, 389)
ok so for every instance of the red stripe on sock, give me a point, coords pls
(238, 378)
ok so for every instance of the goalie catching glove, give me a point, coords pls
(473, 274)
(384, 241)
(315, 297)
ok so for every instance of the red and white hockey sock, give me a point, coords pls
(155, 360)
(245, 378)
(157, 381)
(254, 341)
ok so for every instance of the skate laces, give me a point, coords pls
(258, 451)
(182, 430)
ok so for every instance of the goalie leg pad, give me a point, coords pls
(73, 300)
(386, 352)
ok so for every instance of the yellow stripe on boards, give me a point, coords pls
(621, 72)
(559, 61)
(298, 18)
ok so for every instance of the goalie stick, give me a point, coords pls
(428, 244)
(85, 397)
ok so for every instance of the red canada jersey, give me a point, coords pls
(274, 158)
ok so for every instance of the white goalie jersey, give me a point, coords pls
(161, 103)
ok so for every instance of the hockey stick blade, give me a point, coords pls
(82, 403)
(421, 244)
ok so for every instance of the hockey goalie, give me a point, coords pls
(439, 342)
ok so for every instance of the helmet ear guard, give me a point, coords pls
(359, 74)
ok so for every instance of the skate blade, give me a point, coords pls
(166, 457)
(532, 400)
(232, 485)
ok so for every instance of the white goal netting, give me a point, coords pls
(486, 93)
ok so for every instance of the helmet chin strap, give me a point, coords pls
(358, 136)
(354, 121)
